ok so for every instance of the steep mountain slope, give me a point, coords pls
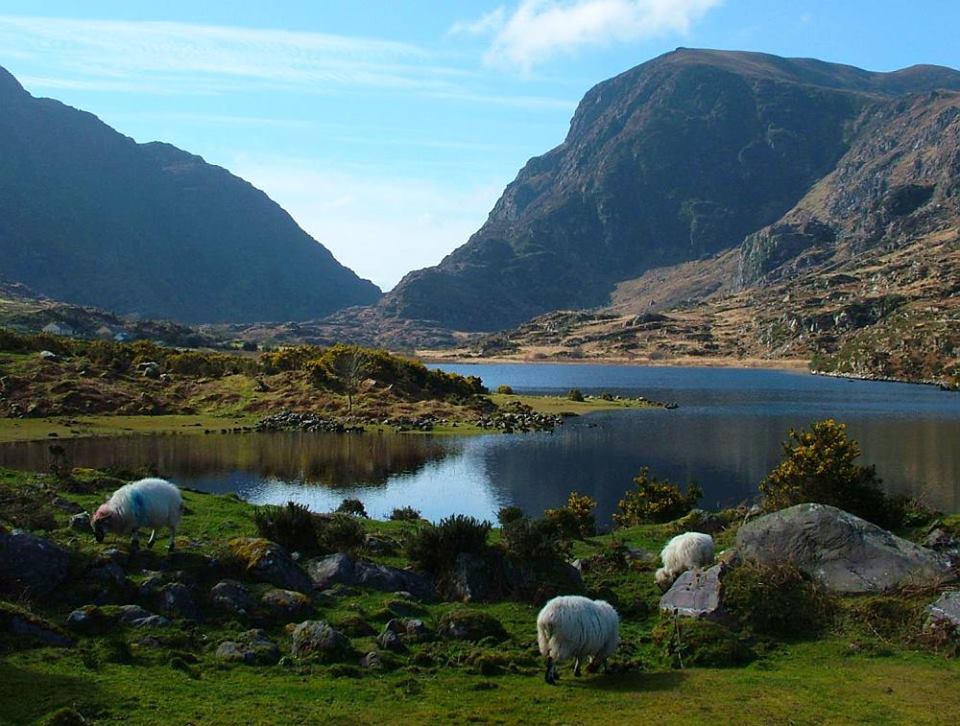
(672, 161)
(89, 216)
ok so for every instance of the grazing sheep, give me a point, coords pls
(146, 503)
(684, 552)
(571, 626)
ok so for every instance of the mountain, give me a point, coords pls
(674, 161)
(89, 216)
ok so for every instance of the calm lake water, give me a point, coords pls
(725, 435)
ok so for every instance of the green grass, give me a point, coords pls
(814, 681)
(33, 429)
(561, 404)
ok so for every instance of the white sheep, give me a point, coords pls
(146, 503)
(684, 552)
(571, 626)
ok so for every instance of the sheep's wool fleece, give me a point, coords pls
(146, 503)
(572, 626)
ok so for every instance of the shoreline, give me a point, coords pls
(784, 364)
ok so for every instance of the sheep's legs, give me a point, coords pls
(551, 675)
(153, 536)
(576, 668)
(173, 539)
(135, 540)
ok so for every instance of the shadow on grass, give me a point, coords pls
(26, 696)
(633, 682)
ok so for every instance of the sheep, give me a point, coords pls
(145, 503)
(571, 626)
(684, 552)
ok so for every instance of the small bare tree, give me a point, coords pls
(351, 368)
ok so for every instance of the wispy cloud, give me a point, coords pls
(540, 29)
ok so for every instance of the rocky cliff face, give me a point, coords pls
(677, 159)
(88, 216)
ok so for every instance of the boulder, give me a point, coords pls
(372, 661)
(93, 619)
(390, 640)
(251, 648)
(134, 616)
(24, 624)
(315, 638)
(233, 598)
(696, 593)
(342, 569)
(266, 561)
(946, 610)
(845, 553)
(472, 625)
(286, 605)
(176, 600)
(80, 522)
(472, 579)
(31, 565)
(698, 520)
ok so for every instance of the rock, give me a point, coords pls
(89, 619)
(251, 648)
(49, 355)
(315, 638)
(233, 598)
(31, 566)
(343, 569)
(845, 553)
(80, 522)
(696, 594)
(286, 605)
(134, 616)
(404, 608)
(416, 630)
(639, 555)
(108, 575)
(697, 520)
(268, 562)
(176, 599)
(472, 579)
(24, 624)
(372, 661)
(355, 626)
(390, 640)
(470, 625)
(945, 610)
(93, 619)
(380, 545)
(940, 540)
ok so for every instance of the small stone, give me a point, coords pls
(372, 661)
(80, 522)
(232, 597)
(286, 605)
(389, 640)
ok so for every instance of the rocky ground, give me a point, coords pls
(234, 627)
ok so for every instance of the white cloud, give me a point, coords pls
(379, 226)
(486, 23)
(540, 29)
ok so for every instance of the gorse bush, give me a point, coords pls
(291, 526)
(574, 394)
(352, 506)
(655, 500)
(576, 520)
(536, 541)
(434, 548)
(509, 514)
(405, 514)
(504, 389)
(340, 533)
(818, 466)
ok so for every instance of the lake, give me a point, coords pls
(725, 435)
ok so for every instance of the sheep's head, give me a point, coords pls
(101, 522)
(663, 580)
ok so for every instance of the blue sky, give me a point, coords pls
(388, 128)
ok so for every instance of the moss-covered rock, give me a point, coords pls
(686, 642)
(317, 639)
(473, 625)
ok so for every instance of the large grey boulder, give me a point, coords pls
(342, 569)
(315, 638)
(233, 598)
(845, 553)
(268, 562)
(696, 593)
(31, 565)
(251, 648)
(472, 579)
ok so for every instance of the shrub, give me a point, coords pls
(405, 514)
(505, 389)
(818, 466)
(340, 533)
(576, 519)
(655, 500)
(353, 506)
(574, 395)
(291, 526)
(434, 548)
(509, 514)
(687, 642)
(535, 541)
(780, 601)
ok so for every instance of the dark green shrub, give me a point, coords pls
(434, 548)
(473, 625)
(340, 533)
(354, 507)
(690, 642)
(574, 394)
(818, 466)
(291, 526)
(505, 389)
(536, 541)
(405, 514)
(576, 519)
(779, 601)
(509, 514)
(655, 500)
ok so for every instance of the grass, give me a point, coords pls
(110, 679)
(557, 405)
(68, 427)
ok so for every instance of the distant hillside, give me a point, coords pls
(89, 216)
(673, 161)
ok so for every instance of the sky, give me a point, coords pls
(389, 128)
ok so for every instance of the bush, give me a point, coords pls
(405, 514)
(434, 548)
(291, 526)
(505, 389)
(780, 601)
(509, 514)
(687, 642)
(574, 395)
(655, 500)
(354, 507)
(818, 466)
(576, 520)
(340, 533)
(535, 541)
